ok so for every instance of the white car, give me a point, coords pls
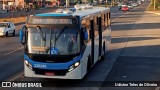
(134, 4)
(130, 6)
(120, 5)
(59, 11)
(7, 28)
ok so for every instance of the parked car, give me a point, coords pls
(59, 11)
(7, 28)
(3, 11)
(130, 6)
(72, 9)
(120, 5)
(95, 3)
(139, 2)
(134, 4)
(125, 8)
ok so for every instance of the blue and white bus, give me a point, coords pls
(65, 46)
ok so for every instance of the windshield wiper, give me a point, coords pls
(56, 37)
(59, 35)
(43, 36)
(40, 32)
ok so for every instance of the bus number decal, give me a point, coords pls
(40, 66)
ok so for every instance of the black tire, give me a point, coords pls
(6, 35)
(14, 32)
(104, 50)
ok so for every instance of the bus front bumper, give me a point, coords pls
(74, 74)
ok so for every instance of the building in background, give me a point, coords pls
(19, 3)
(11, 4)
(6, 3)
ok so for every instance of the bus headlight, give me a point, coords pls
(28, 64)
(76, 64)
(72, 67)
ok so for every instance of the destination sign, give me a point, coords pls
(49, 21)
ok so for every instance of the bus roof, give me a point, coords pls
(86, 12)
(52, 14)
(81, 13)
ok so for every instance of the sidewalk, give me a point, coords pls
(154, 12)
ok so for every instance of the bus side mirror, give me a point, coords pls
(21, 35)
(85, 35)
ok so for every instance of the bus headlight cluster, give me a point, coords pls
(28, 64)
(72, 67)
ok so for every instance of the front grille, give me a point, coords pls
(56, 72)
(52, 59)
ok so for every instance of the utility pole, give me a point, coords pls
(154, 4)
(112, 2)
(3, 4)
(67, 3)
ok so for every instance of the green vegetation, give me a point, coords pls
(157, 5)
(14, 20)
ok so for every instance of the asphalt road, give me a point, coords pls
(11, 56)
(133, 54)
(135, 45)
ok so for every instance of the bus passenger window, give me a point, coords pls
(109, 23)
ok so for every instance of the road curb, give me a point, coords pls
(20, 23)
(153, 12)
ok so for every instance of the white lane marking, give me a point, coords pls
(13, 51)
(117, 18)
(15, 77)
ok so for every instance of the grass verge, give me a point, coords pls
(14, 20)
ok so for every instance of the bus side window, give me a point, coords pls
(109, 16)
(82, 33)
(103, 21)
(86, 25)
(96, 26)
(107, 19)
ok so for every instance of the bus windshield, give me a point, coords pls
(57, 41)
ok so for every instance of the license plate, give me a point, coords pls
(49, 73)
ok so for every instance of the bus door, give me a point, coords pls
(92, 41)
(100, 35)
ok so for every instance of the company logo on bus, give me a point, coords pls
(40, 66)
